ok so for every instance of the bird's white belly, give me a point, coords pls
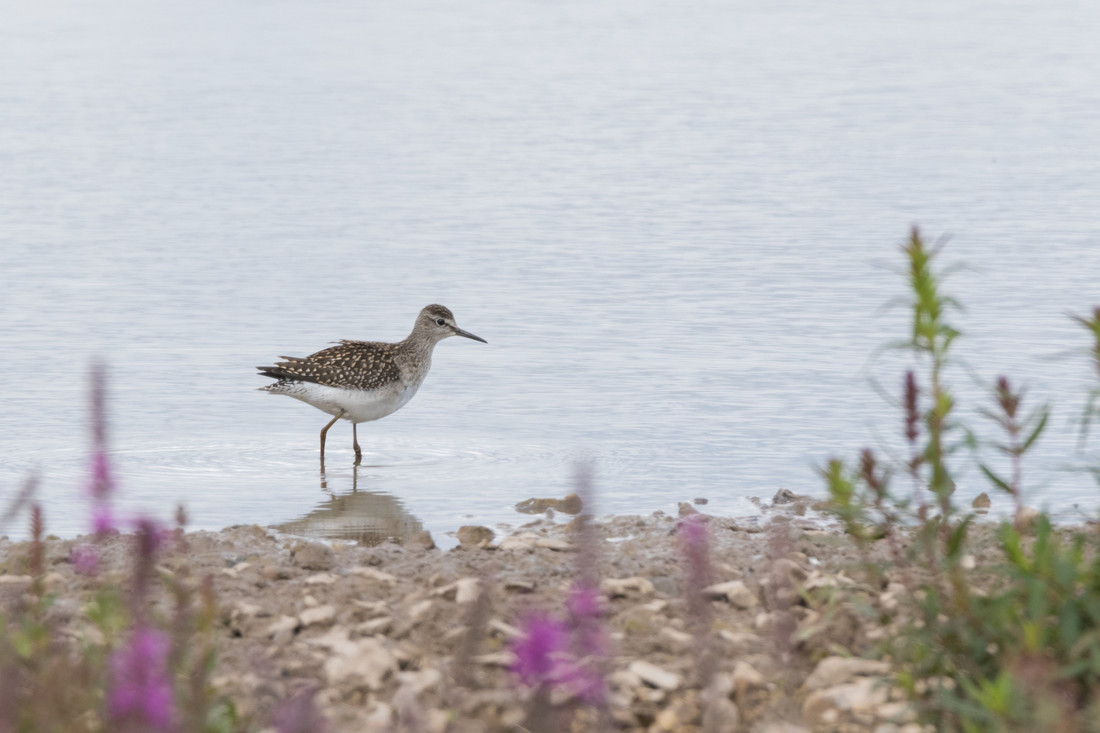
(357, 405)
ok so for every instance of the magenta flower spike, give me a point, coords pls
(85, 559)
(141, 689)
(538, 650)
(101, 484)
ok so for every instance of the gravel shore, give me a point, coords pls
(410, 637)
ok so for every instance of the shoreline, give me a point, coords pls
(394, 635)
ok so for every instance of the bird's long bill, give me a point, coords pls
(467, 334)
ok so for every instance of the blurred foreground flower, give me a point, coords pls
(538, 650)
(545, 659)
(141, 695)
(101, 484)
(85, 559)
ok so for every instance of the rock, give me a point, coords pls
(571, 505)
(553, 543)
(789, 571)
(522, 541)
(467, 590)
(699, 500)
(421, 540)
(719, 712)
(496, 659)
(364, 571)
(686, 510)
(625, 680)
(321, 579)
(16, 580)
(674, 640)
(654, 676)
(474, 536)
(750, 690)
(317, 616)
(1027, 518)
(276, 572)
(362, 663)
(740, 638)
(419, 610)
(733, 591)
(379, 720)
(833, 671)
(665, 585)
(622, 587)
(506, 630)
(375, 626)
(420, 681)
(312, 556)
(721, 715)
(897, 713)
(784, 496)
(981, 501)
(520, 585)
(667, 720)
(282, 630)
(825, 707)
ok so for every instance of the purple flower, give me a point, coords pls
(85, 559)
(103, 522)
(543, 658)
(141, 689)
(695, 546)
(589, 636)
(101, 483)
(151, 536)
(538, 649)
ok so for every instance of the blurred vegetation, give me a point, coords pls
(1013, 643)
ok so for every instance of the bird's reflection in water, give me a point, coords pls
(366, 517)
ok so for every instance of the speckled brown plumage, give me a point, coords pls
(349, 364)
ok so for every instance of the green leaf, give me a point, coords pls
(1035, 433)
(995, 479)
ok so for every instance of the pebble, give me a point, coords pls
(523, 541)
(467, 590)
(312, 556)
(654, 676)
(622, 587)
(363, 662)
(282, 629)
(553, 543)
(733, 591)
(496, 659)
(686, 510)
(419, 610)
(378, 576)
(824, 707)
(317, 616)
(421, 540)
(833, 671)
(471, 535)
(675, 640)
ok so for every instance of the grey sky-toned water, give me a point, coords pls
(675, 225)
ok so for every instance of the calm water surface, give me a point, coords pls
(674, 224)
